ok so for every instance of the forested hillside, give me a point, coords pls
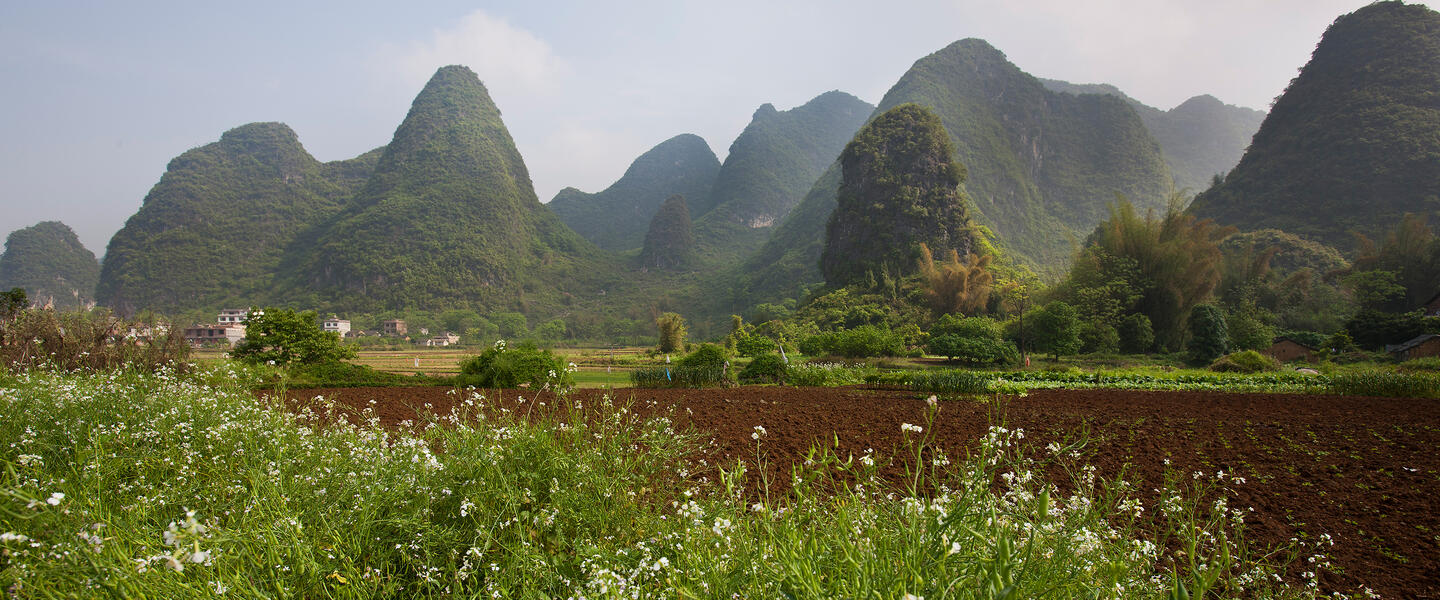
(1201, 137)
(213, 230)
(1042, 165)
(769, 168)
(50, 263)
(616, 218)
(1354, 142)
(449, 218)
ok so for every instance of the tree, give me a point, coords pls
(1209, 337)
(1055, 328)
(972, 340)
(1098, 336)
(672, 332)
(551, 331)
(1136, 335)
(12, 302)
(955, 286)
(283, 336)
(1160, 266)
(1411, 253)
(511, 324)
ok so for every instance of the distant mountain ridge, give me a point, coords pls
(1042, 164)
(1354, 142)
(448, 218)
(213, 230)
(1201, 137)
(50, 263)
(617, 218)
(770, 167)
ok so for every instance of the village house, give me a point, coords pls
(337, 325)
(1417, 347)
(214, 335)
(443, 340)
(394, 327)
(232, 316)
(1285, 350)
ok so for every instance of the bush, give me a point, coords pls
(1210, 338)
(341, 374)
(1099, 337)
(706, 356)
(766, 368)
(860, 342)
(503, 367)
(974, 351)
(679, 376)
(1245, 361)
(754, 345)
(1136, 334)
(706, 366)
(971, 340)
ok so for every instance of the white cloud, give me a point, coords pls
(505, 57)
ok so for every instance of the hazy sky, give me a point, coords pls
(98, 96)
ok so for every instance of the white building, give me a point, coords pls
(232, 316)
(337, 325)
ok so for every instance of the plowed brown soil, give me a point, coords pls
(1366, 471)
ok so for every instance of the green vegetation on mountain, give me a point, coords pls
(1042, 164)
(49, 262)
(899, 193)
(670, 242)
(1201, 137)
(769, 168)
(615, 219)
(448, 219)
(1354, 142)
(213, 230)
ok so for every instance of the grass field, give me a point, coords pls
(127, 485)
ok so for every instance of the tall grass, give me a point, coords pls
(827, 374)
(84, 340)
(1380, 383)
(679, 376)
(131, 485)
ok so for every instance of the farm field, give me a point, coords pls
(1362, 472)
(596, 367)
